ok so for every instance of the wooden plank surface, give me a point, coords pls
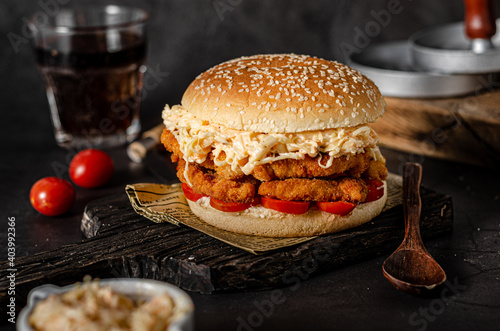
(465, 129)
(128, 245)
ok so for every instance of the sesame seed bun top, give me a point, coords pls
(283, 93)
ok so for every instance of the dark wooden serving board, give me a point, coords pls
(128, 245)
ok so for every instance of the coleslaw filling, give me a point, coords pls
(245, 150)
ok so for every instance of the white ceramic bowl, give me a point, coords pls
(133, 287)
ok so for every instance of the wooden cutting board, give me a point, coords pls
(128, 245)
(465, 129)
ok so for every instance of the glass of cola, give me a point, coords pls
(93, 61)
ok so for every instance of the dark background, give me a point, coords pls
(186, 38)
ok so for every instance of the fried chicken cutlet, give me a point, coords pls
(354, 165)
(301, 189)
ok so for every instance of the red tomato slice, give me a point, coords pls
(375, 189)
(341, 208)
(232, 207)
(289, 207)
(190, 194)
(374, 182)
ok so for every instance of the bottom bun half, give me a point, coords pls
(260, 221)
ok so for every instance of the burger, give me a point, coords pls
(279, 146)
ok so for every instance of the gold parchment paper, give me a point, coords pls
(166, 203)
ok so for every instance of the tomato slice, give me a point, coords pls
(232, 207)
(341, 208)
(375, 189)
(289, 207)
(190, 194)
(374, 182)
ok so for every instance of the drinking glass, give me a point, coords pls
(93, 61)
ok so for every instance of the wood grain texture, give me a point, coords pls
(125, 244)
(411, 268)
(463, 129)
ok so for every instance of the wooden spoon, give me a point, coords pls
(411, 268)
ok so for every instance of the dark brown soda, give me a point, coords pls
(96, 84)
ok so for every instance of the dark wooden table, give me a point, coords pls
(353, 297)
(189, 37)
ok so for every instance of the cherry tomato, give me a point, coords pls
(375, 189)
(289, 207)
(232, 207)
(91, 168)
(190, 194)
(341, 208)
(52, 196)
